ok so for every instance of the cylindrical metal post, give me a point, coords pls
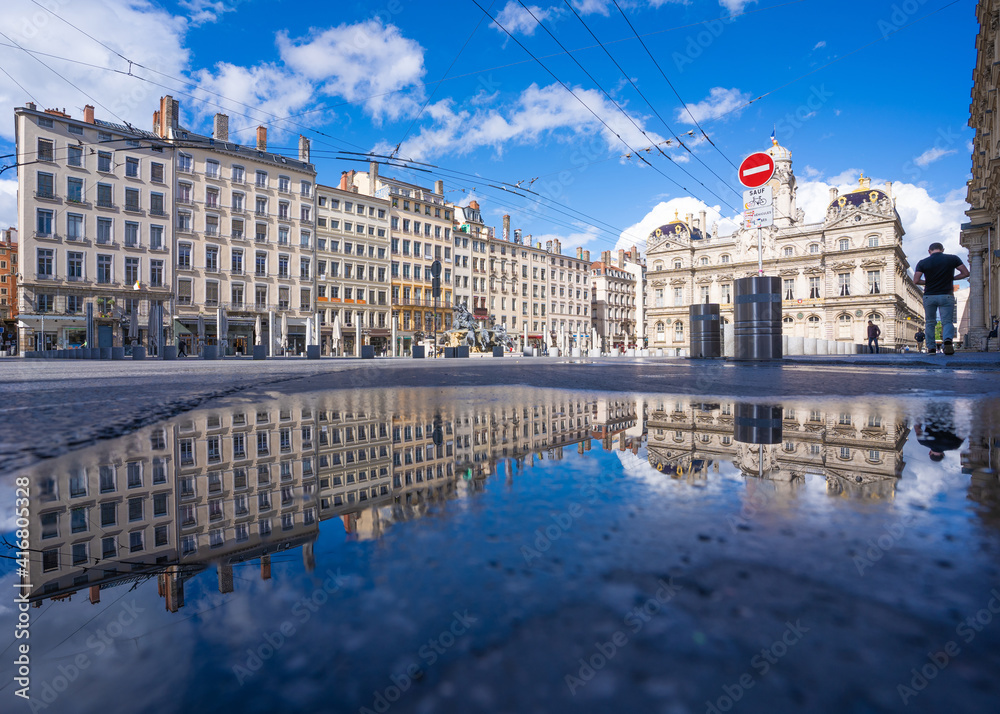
(757, 424)
(706, 331)
(757, 324)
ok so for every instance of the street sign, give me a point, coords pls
(758, 207)
(758, 217)
(760, 197)
(756, 170)
(436, 269)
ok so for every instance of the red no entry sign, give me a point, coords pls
(756, 170)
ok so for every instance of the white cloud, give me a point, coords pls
(363, 63)
(515, 19)
(932, 155)
(810, 172)
(667, 211)
(8, 203)
(539, 112)
(821, 43)
(202, 11)
(571, 241)
(719, 102)
(153, 38)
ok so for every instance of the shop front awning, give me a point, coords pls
(181, 329)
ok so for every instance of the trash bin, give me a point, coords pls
(706, 331)
(757, 324)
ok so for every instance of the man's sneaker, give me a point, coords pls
(932, 352)
(949, 348)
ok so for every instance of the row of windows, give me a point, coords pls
(239, 297)
(105, 160)
(262, 261)
(238, 230)
(104, 230)
(427, 209)
(75, 268)
(213, 200)
(351, 207)
(77, 190)
(238, 174)
(786, 252)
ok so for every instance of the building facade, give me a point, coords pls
(616, 300)
(94, 203)
(352, 259)
(836, 274)
(244, 234)
(979, 235)
(421, 224)
(8, 288)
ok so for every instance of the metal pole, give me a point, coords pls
(434, 344)
(760, 254)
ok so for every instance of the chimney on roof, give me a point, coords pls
(305, 149)
(156, 122)
(439, 187)
(506, 226)
(88, 113)
(621, 257)
(579, 253)
(586, 255)
(606, 256)
(32, 106)
(343, 181)
(557, 246)
(704, 221)
(548, 246)
(474, 205)
(95, 594)
(372, 177)
(221, 130)
(167, 118)
(833, 193)
(262, 138)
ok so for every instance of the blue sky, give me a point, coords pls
(870, 87)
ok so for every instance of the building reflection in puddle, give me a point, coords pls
(858, 450)
(227, 486)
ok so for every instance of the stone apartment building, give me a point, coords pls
(352, 259)
(421, 224)
(8, 288)
(94, 206)
(469, 231)
(836, 274)
(979, 235)
(245, 238)
(617, 300)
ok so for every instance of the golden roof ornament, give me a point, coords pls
(864, 181)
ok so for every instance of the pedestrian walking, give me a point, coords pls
(873, 334)
(919, 337)
(937, 274)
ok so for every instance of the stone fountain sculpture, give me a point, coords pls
(465, 332)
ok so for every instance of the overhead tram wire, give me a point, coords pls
(622, 110)
(109, 111)
(654, 110)
(30, 95)
(585, 105)
(437, 85)
(669, 83)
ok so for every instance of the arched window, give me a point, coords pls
(704, 260)
(814, 247)
(845, 326)
(873, 241)
(875, 317)
(658, 265)
(659, 332)
(812, 326)
(678, 331)
(844, 244)
(724, 259)
(788, 320)
(678, 265)
(789, 251)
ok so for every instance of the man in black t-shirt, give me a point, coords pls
(937, 273)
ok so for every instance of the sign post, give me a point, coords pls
(436, 291)
(754, 173)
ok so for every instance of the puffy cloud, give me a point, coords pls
(203, 11)
(515, 19)
(154, 39)
(570, 241)
(665, 212)
(364, 62)
(8, 203)
(719, 102)
(932, 155)
(548, 111)
(818, 45)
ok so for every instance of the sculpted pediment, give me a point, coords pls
(678, 281)
(704, 280)
(788, 271)
(873, 262)
(843, 264)
(814, 270)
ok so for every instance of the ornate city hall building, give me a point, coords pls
(836, 274)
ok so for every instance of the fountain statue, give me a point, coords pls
(465, 332)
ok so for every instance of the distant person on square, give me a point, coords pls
(936, 430)
(937, 274)
(873, 334)
(919, 337)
